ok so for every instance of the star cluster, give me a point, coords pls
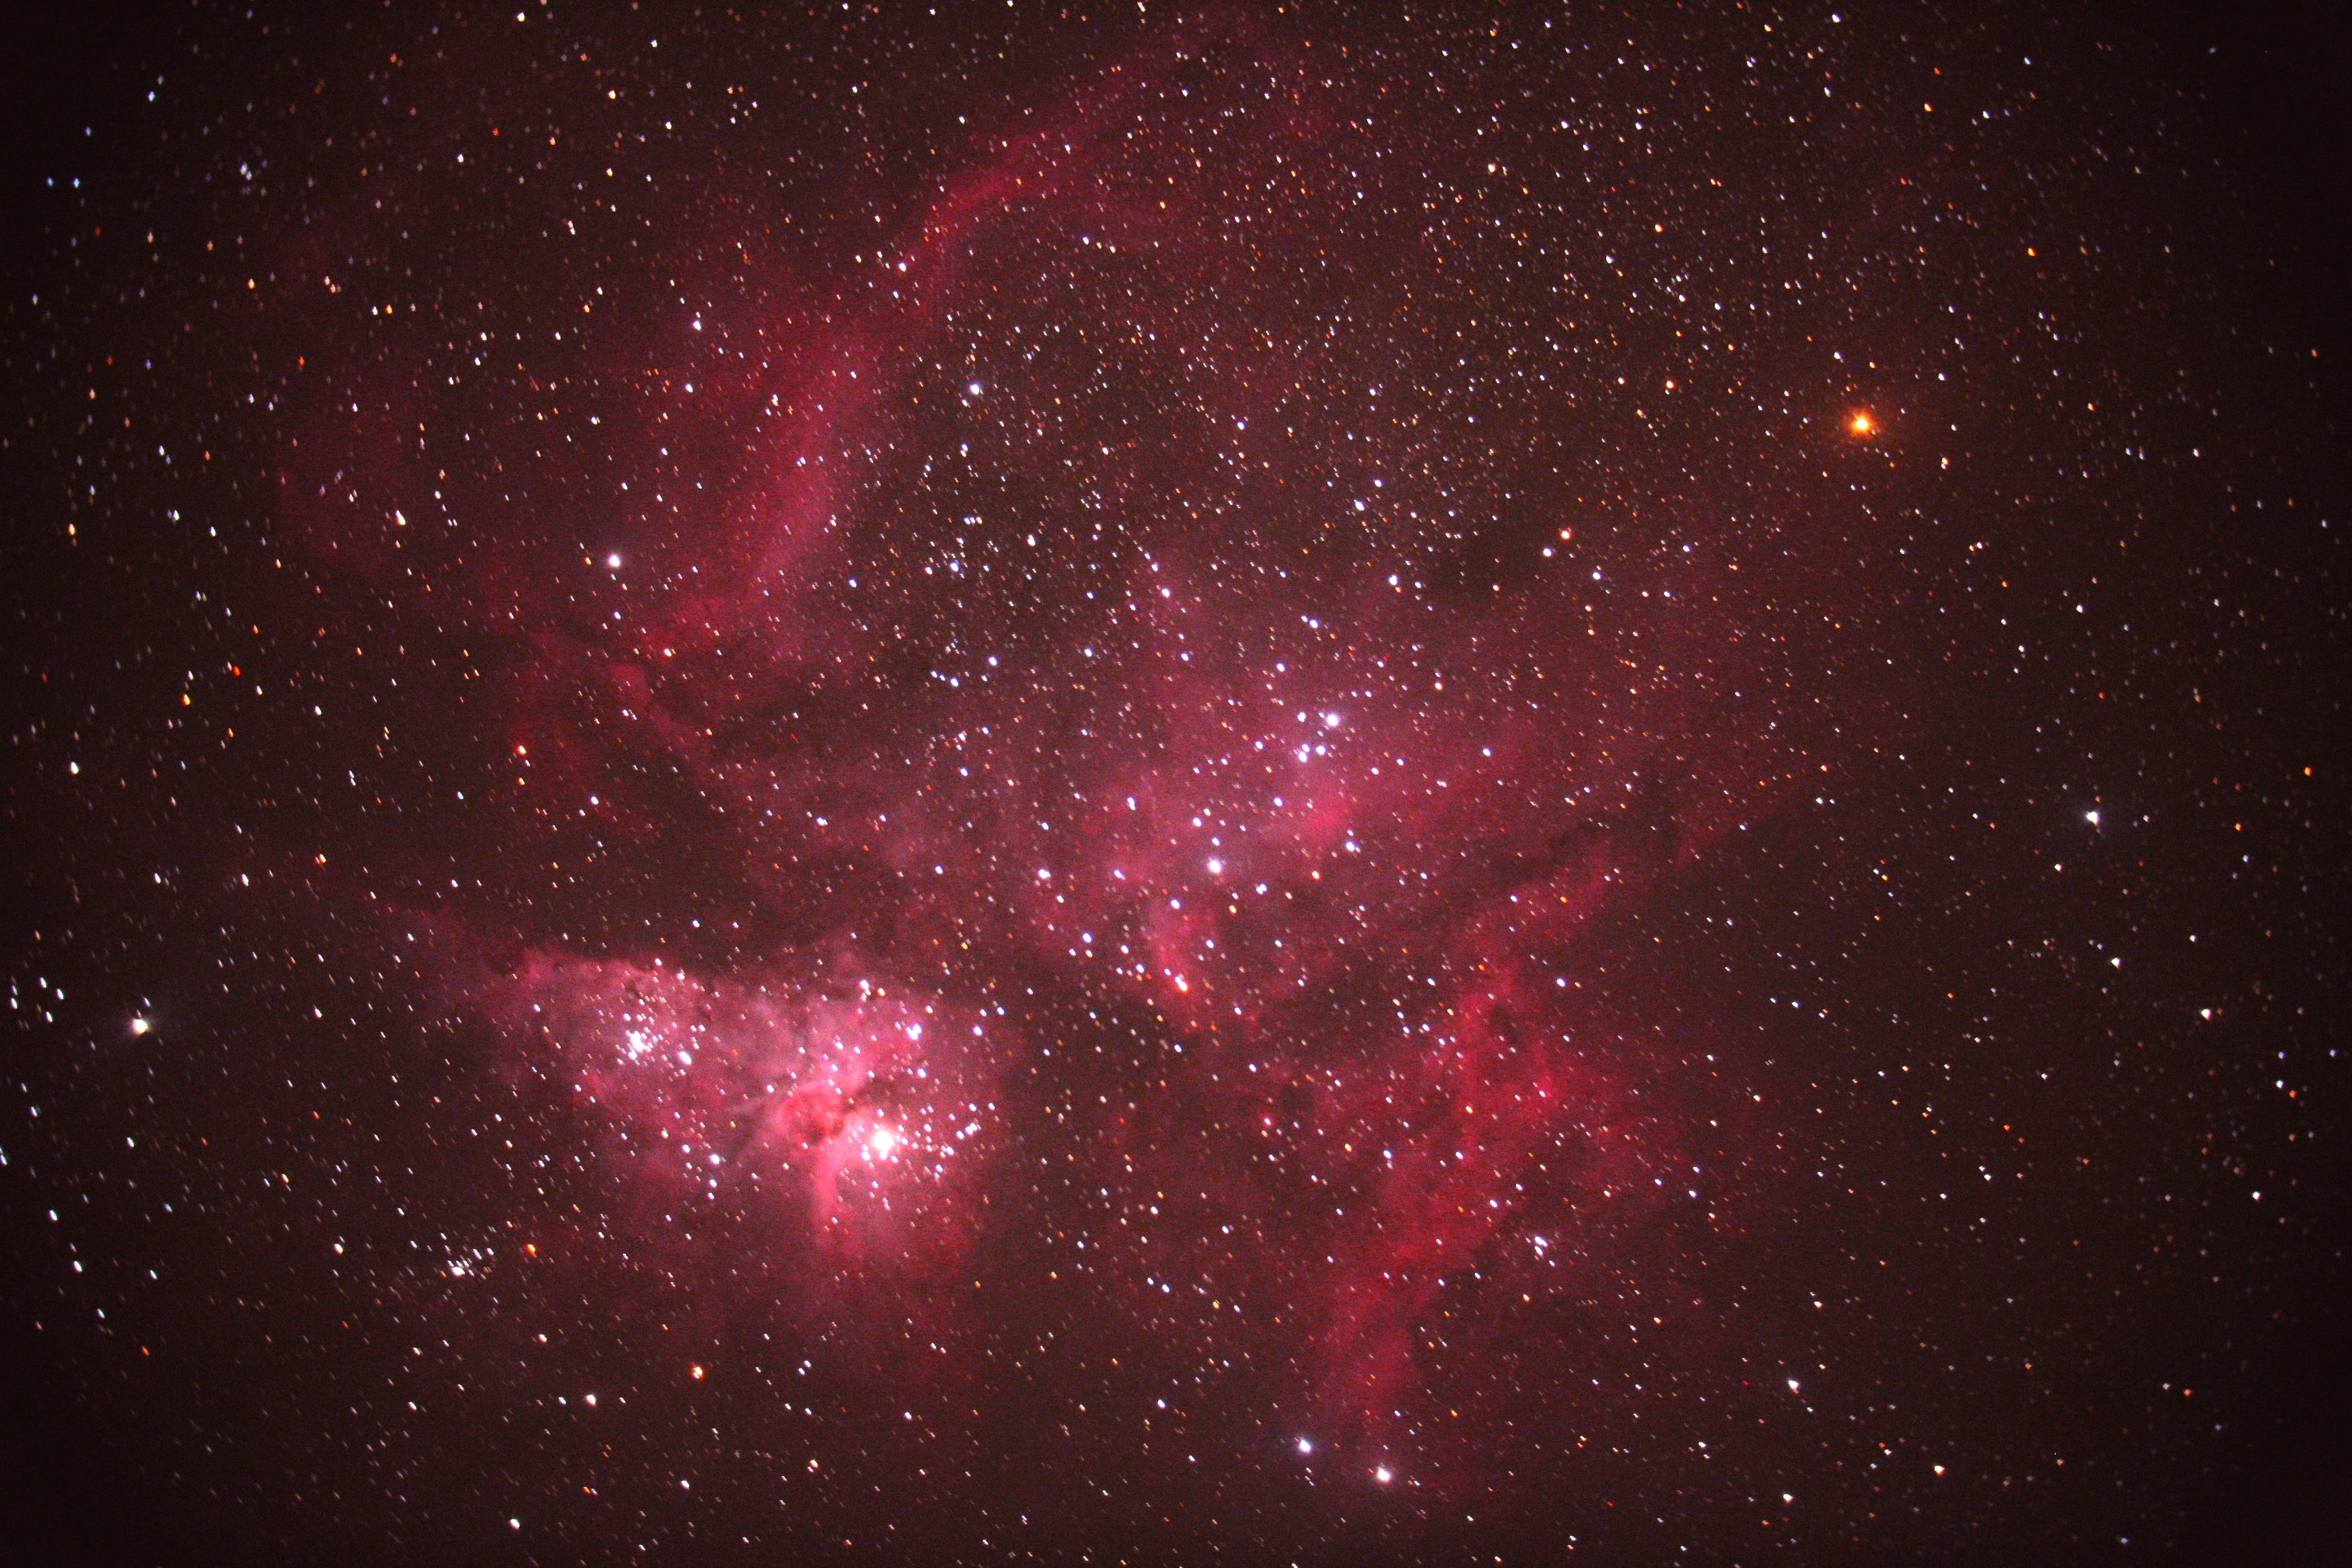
(1029, 786)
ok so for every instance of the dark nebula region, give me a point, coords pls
(1009, 785)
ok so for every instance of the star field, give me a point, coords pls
(1005, 785)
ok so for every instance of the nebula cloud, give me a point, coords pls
(1245, 787)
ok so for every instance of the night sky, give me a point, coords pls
(1237, 785)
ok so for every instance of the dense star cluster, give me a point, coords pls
(1003, 785)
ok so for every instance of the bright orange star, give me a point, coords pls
(1862, 424)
